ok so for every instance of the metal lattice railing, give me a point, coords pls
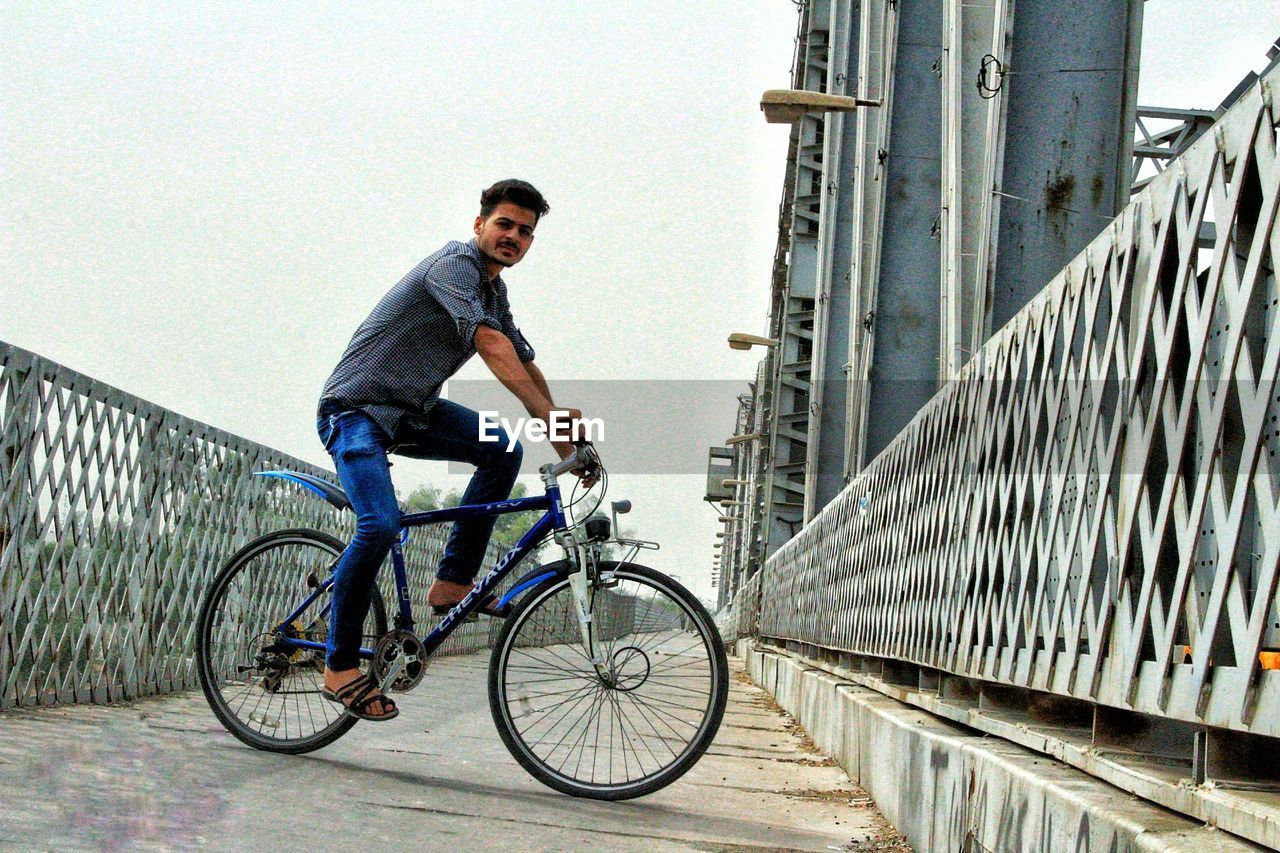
(114, 516)
(1091, 509)
(740, 618)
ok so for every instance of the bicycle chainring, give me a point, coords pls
(403, 646)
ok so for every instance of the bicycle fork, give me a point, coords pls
(580, 586)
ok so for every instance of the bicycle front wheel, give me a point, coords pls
(628, 732)
(266, 692)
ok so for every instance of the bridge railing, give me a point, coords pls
(740, 619)
(1089, 516)
(115, 514)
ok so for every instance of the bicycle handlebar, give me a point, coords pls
(583, 454)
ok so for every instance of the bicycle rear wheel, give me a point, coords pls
(626, 735)
(265, 692)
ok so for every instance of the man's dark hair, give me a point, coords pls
(517, 192)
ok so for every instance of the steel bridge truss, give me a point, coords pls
(1076, 543)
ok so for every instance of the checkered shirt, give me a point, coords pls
(420, 334)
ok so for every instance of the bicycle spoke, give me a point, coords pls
(622, 732)
(644, 714)
(574, 695)
(654, 702)
(589, 710)
(640, 736)
(573, 669)
(593, 718)
(677, 688)
(678, 665)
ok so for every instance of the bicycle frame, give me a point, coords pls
(553, 519)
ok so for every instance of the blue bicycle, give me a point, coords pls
(608, 679)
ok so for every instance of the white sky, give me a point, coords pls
(201, 201)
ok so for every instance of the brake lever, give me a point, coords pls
(591, 465)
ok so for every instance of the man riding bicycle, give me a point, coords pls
(383, 396)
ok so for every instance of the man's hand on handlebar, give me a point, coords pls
(589, 475)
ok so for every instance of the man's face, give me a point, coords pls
(506, 234)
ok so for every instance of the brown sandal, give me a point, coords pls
(489, 608)
(358, 694)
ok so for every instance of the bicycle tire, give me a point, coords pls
(646, 660)
(227, 641)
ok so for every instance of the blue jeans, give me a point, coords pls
(359, 449)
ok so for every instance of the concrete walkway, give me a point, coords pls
(162, 773)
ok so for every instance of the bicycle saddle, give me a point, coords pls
(330, 492)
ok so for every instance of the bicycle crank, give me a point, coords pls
(399, 661)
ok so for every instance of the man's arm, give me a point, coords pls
(538, 379)
(520, 378)
(500, 357)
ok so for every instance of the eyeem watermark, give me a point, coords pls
(493, 425)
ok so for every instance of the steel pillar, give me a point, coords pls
(877, 43)
(794, 292)
(756, 473)
(904, 324)
(735, 541)
(1067, 80)
(969, 125)
(828, 422)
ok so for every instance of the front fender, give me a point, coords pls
(545, 572)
